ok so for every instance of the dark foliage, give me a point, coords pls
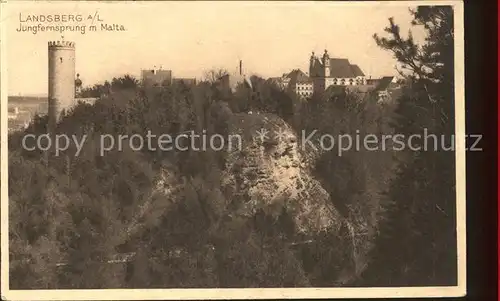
(417, 244)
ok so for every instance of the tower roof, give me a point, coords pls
(63, 44)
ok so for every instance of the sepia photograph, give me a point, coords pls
(232, 150)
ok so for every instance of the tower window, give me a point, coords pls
(60, 59)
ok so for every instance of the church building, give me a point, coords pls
(326, 72)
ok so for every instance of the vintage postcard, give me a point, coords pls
(232, 150)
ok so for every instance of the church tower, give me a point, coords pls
(61, 94)
(312, 60)
(326, 63)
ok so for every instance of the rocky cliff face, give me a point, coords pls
(270, 173)
(273, 175)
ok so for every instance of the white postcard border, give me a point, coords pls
(255, 293)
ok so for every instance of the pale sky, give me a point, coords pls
(190, 37)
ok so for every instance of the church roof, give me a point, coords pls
(357, 71)
(343, 68)
(339, 68)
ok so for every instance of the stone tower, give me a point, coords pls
(61, 79)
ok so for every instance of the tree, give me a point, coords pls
(214, 75)
(421, 218)
(125, 82)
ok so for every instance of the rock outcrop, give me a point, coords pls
(269, 172)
